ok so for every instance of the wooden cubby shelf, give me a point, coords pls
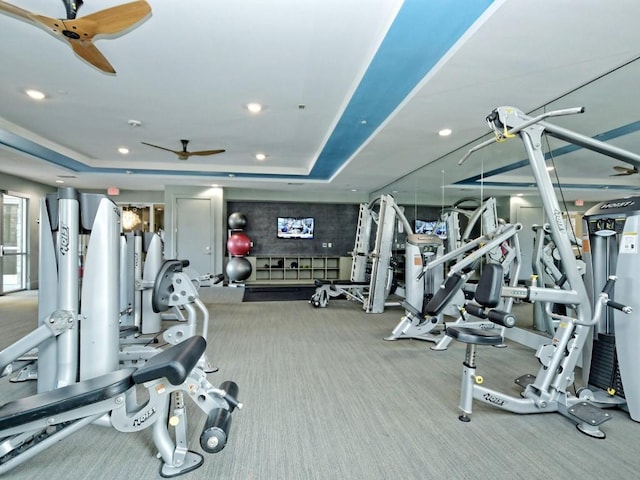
(298, 268)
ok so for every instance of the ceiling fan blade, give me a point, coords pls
(17, 11)
(177, 152)
(203, 153)
(89, 52)
(624, 171)
(115, 19)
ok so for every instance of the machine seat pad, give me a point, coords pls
(63, 399)
(174, 363)
(474, 335)
(444, 294)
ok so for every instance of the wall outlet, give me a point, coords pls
(324, 245)
(329, 244)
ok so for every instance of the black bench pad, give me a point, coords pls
(63, 399)
(174, 363)
(444, 294)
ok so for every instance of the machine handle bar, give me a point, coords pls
(528, 123)
(619, 306)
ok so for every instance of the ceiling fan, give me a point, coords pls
(624, 171)
(79, 33)
(184, 153)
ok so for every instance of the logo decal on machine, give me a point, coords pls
(144, 417)
(494, 399)
(64, 239)
(621, 204)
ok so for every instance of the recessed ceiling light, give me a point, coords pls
(519, 194)
(59, 181)
(35, 94)
(123, 150)
(254, 107)
(260, 156)
(354, 189)
(445, 132)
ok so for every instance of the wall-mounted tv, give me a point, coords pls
(431, 227)
(295, 227)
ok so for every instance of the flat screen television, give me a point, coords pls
(431, 227)
(295, 227)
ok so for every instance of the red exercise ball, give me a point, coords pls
(238, 244)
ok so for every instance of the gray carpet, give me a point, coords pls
(326, 398)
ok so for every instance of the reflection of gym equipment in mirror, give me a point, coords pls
(498, 243)
(372, 271)
(548, 391)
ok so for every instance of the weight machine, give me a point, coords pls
(497, 244)
(80, 379)
(611, 248)
(548, 391)
(372, 271)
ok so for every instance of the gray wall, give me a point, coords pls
(334, 223)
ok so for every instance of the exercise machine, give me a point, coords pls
(30, 425)
(497, 244)
(611, 248)
(548, 391)
(372, 271)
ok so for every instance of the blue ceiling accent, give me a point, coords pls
(558, 152)
(422, 32)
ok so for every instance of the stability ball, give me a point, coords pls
(237, 221)
(238, 269)
(238, 244)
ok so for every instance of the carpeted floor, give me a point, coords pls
(325, 398)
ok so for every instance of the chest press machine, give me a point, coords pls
(548, 391)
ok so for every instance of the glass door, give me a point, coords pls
(13, 243)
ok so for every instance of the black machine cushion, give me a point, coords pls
(490, 285)
(444, 294)
(47, 404)
(174, 363)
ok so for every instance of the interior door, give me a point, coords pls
(194, 233)
(13, 242)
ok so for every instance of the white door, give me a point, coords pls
(13, 243)
(194, 233)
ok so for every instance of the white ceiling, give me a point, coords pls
(377, 79)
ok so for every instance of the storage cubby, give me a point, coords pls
(298, 268)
